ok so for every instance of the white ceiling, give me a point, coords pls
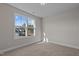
(47, 10)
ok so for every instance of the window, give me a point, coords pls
(30, 27)
(24, 26)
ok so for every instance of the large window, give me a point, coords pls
(24, 26)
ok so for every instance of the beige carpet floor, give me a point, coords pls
(43, 49)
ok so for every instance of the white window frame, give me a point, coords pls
(23, 37)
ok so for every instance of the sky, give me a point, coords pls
(20, 20)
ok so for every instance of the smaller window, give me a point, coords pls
(31, 27)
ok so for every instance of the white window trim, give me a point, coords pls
(23, 37)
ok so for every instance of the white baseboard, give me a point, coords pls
(12, 48)
(66, 45)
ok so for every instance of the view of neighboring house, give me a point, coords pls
(20, 30)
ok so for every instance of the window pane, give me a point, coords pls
(31, 27)
(20, 25)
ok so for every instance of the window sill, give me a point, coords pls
(22, 37)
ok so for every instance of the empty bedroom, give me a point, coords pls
(39, 29)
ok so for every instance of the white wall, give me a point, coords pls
(7, 20)
(63, 28)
